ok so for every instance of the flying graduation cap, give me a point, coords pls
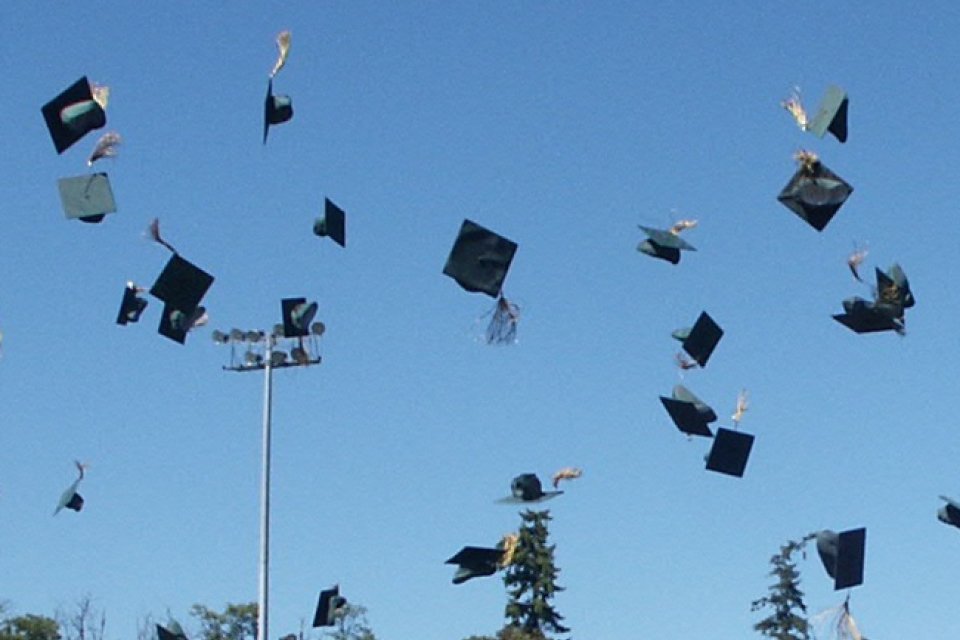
(527, 488)
(690, 414)
(333, 224)
(842, 555)
(70, 498)
(277, 109)
(730, 452)
(132, 304)
(75, 113)
(814, 192)
(180, 286)
(297, 316)
(87, 198)
(886, 312)
(328, 607)
(475, 562)
(480, 259)
(701, 339)
(950, 512)
(664, 244)
(173, 631)
(831, 114)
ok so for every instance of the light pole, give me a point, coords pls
(302, 355)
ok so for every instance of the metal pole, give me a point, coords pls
(263, 603)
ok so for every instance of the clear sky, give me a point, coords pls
(561, 125)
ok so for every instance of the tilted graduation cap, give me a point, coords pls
(333, 224)
(527, 487)
(276, 110)
(663, 244)
(480, 259)
(173, 631)
(297, 316)
(842, 556)
(73, 114)
(730, 452)
(863, 316)
(132, 305)
(70, 498)
(831, 115)
(88, 197)
(814, 192)
(181, 285)
(950, 512)
(893, 288)
(701, 339)
(327, 607)
(690, 414)
(475, 562)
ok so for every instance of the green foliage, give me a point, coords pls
(788, 620)
(531, 583)
(237, 622)
(351, 624)
(29, 627)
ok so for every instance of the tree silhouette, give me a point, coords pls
(788, 619)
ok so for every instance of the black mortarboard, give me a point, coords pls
(831, 115)
(176, 323)
(893, 288)
(276, 110)
(950, 512)
(297, 316)
(863, 316)
(181, 284)
(327, 607)
(683, 394)
(132, 305)
(475, 562)
(815, 193)
(333, 224)
(73, 114)
(663, 244)
(688, 417)
(527, 487)
(88, 197)
(842, 556)
(70, 498)
(702, 338)
(480, 259)
(173, 631)
(729, 452)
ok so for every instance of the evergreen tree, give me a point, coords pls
(531, 582)
(788, 619)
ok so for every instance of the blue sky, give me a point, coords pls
(562, 126)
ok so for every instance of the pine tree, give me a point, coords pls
(531, 581)
(787, 621)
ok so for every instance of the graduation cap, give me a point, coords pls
(181, 285)
(70, 499)
(132, 305)
(328, 606)
(893, 288)
(863, 316)
(814, 192)
(475, 562)
(690, 414)
(526, 487)
(88, 197)
(333, 224)
(729, 452)
(172, 631)
(663, 244)
(831, 115)
(297, 316)
(480, 259)
(176, 323)
(73, 114)
(701, 339)
(950, 512)
(276, 110)
(842, 556)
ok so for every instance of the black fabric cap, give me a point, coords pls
(167, 634)
(330, 601)
(842, 556)
(683, 394)
(863, 316)
(663, 245)
(527, 487)
(181, 284)
(131, 307)
(333, 224)
(831, 114)
(297, 316)
(83, 115)
(703, 339)
(474, 562)
(480, 259)
(730, 452)
(815, 194)
(950, 512)
(276, 110)
(688, 418)
(175, 323)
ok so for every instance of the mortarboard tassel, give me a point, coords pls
(503, 325)
(808, 160)
(854, 260)
(283, 46)
(154, 231)
(684, 362)
(101, 95)
(795, 107)
(742, 406)
(567, 473)
(682, 225)
(509, 545)
(106, 147)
